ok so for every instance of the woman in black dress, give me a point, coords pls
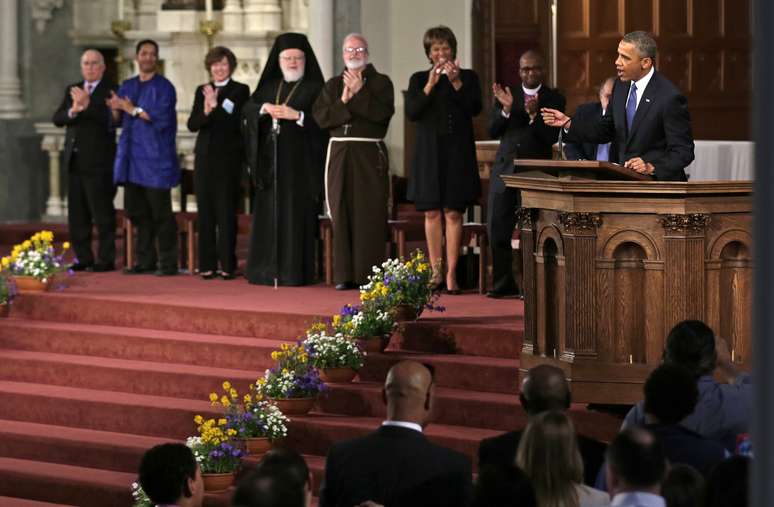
(444, 180)
(216, 116)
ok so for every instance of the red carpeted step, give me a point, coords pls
(462, 336)
(139, 377)
(105, 450)
(7, 501)
(488, 374)
(102, 410)
(452, 406)
(137, 344)
(50, 482)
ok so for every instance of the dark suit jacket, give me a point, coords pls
(589, 111)
(219, 136)
(395, 467)
(682, 445)
(519, 138)
(661, 130)
(501, 450)
(91, 132)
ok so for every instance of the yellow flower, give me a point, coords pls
(66, 245)
(213, 397)
(226, 385)
(222, 422)
(198, 420)
(247, 398)
(336, 320)
(6, 262)
(225, 401)
(26, 244)
(274, 355)
(234, 394)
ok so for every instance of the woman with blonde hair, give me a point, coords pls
(548, 453)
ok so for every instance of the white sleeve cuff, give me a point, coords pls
(300, 120)
(505, 115)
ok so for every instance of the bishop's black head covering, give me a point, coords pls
(312, 72)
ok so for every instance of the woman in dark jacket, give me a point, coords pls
(216, 116)
(444, 176)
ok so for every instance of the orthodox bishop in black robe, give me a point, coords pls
(291, 78)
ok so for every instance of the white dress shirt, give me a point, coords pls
(641, 83)
(637, 499)
(404, 424)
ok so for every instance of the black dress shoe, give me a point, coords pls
(502, 294)
(226, 276)
(345, 286)
(166, 272)
(81, 267)
(453, 292)
(102, 267)
(208, 275)
(138, 270)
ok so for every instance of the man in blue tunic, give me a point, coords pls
(146, 161)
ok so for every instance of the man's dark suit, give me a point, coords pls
(395, 467)
(660, 132)
(89, 150)
(589, 111)
(501, 450)
(518, 138)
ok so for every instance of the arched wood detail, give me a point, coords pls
(716, 247)
(641, 239)
(550, 232)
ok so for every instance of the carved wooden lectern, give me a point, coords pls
(610, 266)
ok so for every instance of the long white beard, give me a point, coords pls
(355, 64)
(292, 75)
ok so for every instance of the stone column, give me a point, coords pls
(262, 16)
(145, 15)
(53, 144)
(11, 105)
(321, 33)
(233, 16)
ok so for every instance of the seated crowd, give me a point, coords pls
(677, 448)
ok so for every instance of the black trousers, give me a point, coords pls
(150, 210)
(501, 222)
(217, 199)
(90, 202)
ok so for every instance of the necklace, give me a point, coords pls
(279, 92)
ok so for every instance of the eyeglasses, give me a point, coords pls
(359, 51)
(292, 58)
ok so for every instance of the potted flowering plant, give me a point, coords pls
(293, 383)
(215, 453)
(401, 287)
(7, 293)
(337, 357)
(369, 324)
(257, 422)
(34, 262)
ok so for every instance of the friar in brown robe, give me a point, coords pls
(356, 107)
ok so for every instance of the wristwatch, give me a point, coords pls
(137, 111)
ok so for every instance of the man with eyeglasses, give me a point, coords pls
(356, 108)
(516, 121)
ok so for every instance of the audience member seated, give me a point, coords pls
(548, 453)
(397, 465)
(543, 389)
(724, 409)
(728, 484)
(636, 465)
(683, 487)
(670, 395)
(503, 486)
(169, 475)
(281, 479)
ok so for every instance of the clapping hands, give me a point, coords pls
(353, 83)
(281, 112)
(503, 96)
(80, 98)
(210, 98)
(117, 103)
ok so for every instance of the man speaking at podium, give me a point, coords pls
(650, 123)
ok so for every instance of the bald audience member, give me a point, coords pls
(397, 465)
(544, 389)
(636, 466)
(89, 150)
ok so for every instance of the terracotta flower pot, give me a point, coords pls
(217, 482)
(373, 344)
(294, 406)
(337, 375)
(405, 313)
(257, 445)
(28, 284)
(5, 310)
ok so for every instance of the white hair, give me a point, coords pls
(354, 35)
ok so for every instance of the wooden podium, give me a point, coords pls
(610, 266)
